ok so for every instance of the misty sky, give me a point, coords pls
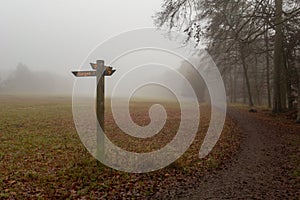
(57, 35)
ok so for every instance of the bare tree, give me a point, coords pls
(278, 57)
(242, 37)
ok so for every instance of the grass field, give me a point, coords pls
(42, 157)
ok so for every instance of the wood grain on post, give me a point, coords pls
(100, 108)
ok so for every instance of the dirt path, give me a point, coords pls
(257, 172)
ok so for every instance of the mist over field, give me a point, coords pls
(50, 39)
(24, 81)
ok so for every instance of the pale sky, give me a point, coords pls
(57, 35)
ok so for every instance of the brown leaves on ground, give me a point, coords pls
(285, 122)
(41, 155)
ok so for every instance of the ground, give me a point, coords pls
(41, 157)
(266, 167)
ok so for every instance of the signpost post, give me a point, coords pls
(100, 71)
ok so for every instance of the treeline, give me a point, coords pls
(255, 43)
(23, 81)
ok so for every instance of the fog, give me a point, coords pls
(54, 36)
(57, 35)
(43, 41)
(23, 81)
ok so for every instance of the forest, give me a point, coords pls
(255, 44)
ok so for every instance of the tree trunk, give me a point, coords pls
(268, 69)
(298, 100)
(256, 84)
(235, 80)
(243, 58)
(297, 65)
(278, 57)
(283, 84)
(288, 67)
(231, 86)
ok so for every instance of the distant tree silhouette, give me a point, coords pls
(25, 81)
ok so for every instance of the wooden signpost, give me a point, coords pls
(100, 71)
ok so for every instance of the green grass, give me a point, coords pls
(41, 155)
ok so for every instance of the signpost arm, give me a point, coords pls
(100, 107)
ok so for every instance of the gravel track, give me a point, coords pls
(257, 171)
